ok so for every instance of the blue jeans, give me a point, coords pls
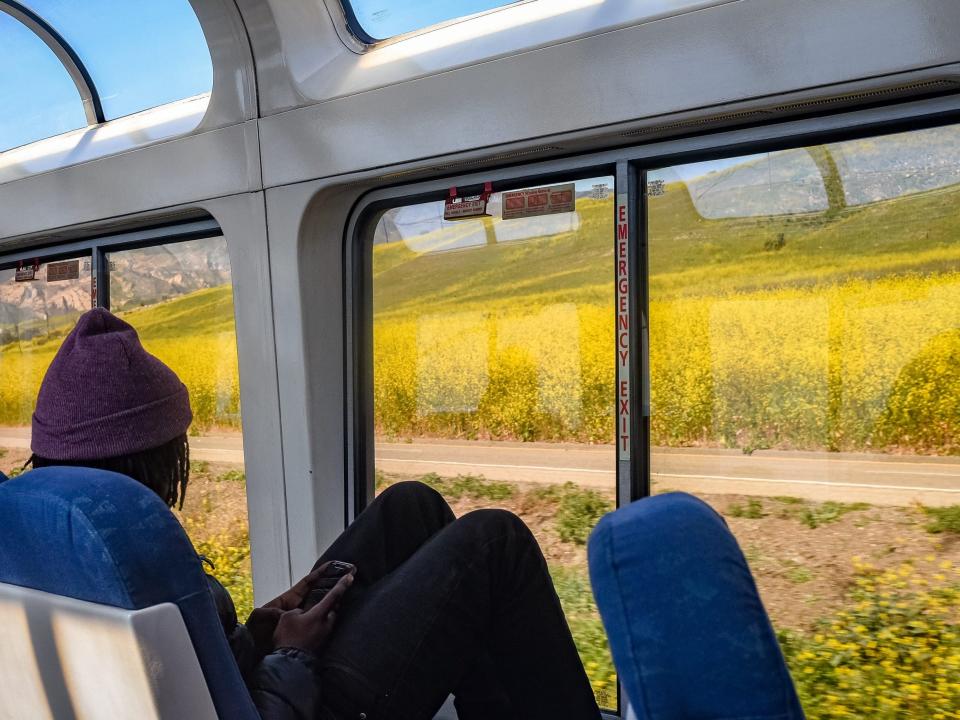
(446, 606)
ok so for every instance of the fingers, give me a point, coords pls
(332, 599)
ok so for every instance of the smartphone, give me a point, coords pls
(326, 582)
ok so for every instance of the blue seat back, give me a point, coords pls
(104, 538)
(689, 635)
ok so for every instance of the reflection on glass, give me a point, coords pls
(805, 380)
(180, 299)
(489, 334)
(38, 98)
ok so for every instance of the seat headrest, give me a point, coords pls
(101, 537)
(688, 632)
(94, 535)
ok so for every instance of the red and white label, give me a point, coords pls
(623, 328)
(531, 202)
(466, 207)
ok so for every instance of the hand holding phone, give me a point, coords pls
(325, 582)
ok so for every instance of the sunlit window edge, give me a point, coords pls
(91, 135)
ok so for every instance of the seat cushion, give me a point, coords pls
(689, 635)
(104, 538)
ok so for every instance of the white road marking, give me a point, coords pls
(910, 472)
(827, 483)
(493, 465)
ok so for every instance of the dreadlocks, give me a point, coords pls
(164, 469)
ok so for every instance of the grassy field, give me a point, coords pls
(193, 334)
(845, 337)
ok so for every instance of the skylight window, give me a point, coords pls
(38, 97)
(139, 54)
(382, 19)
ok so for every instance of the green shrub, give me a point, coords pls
(579, 512)
(893, 653)
(233, 476)
(475, 487)
(231, 559)
(945, 519)
(753, 510)
(573, 587)
(813, 515)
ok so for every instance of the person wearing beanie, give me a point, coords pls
(437, 605)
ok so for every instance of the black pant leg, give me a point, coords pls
(478, 586)
(393, 527)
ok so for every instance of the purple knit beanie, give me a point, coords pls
(104, 395)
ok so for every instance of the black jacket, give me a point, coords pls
(283, 682)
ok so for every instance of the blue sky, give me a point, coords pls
(140, 54)
(385, 18)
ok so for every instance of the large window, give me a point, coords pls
(70, 64)
(494, 371)
(381, 19)
(36, 93)
(179, 298)
(139, 54)
(805, 380)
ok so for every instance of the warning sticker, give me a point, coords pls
(539, 201)
(466, 207)
(26, 274)
(66, 270)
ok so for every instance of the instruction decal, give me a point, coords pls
(622, 253)
(471, 206)
(532, 202)
(66, 270)
(27, 273)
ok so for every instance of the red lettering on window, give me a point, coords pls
(622, 267)
(624, 286)
(623, 340)
(623, 321)
(623, 303)
(621, 232)
(626, 442)
(625, 407)
(624, 354)
(622, 213)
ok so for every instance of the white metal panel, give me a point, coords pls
(66, 658)
(323, 61)
(197, 167)
(306, 225)
(719, 55)
(242, 220)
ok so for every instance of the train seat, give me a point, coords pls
(688, 632)
(104, 607)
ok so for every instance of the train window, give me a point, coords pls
(139, 54)
(804, 355)
(38, 97)
(180, 299)
(36, 313)
(382, 19)
(493, 354)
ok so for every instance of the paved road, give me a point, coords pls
(877, 479)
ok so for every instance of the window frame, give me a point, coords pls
(64, 52)
(97, 248)
(629, 166)
(356, 38)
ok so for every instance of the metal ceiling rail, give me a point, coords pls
(92, 107)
